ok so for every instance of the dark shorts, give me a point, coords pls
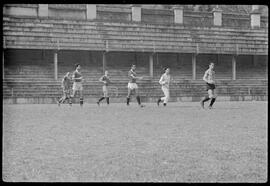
(210, 86)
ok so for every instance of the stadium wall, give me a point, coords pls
(32, 41)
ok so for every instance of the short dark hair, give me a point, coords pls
(76, 65)
(165, 68)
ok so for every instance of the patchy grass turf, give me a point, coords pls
(116, 143)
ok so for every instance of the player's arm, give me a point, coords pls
(79, 78)
(109, 80)
(101, 79)
(62, 83)
(205, 76)
(161, 81)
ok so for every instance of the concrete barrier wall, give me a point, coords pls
(122, 13)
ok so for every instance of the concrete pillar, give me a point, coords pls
(194, 66)
(55, 65)
(217, 17)
(136, 13)
(233, 67)
(255, 17)
(151, 65)
(254, 8)
(3, 65)
(104, 61)
(43, 10)
(91, 11)
(178, 15)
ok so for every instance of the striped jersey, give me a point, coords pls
(106, 80)
(130, 74)
(210, 75)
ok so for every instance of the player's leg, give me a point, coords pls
(164, 97)
(103, 97)
(136, 92)
(159, 99)
(206, 98)
(213, 99)
(81, 96)
(69, 97)
(167, 95)
(61, 100)
(106, 95)
(128, 96)
(73, 94)
(65, 96)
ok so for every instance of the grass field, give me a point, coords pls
(116, 143)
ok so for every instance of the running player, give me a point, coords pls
(66, 84)
(77, 85)
(132, 85)
(106, 80)
(209, 78)
(165, 83)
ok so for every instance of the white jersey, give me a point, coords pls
(165, 80)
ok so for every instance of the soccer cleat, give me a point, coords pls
(202, 104)
(98, 103)
(159, 100)
(142, 106)
(164, 104)
(210, 107)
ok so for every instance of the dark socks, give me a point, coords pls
(81, 101)
(205, 99)
(101, 99)
(108, 100)
(159, 100)
(138, 100)
(70, 100)
(128, 99)
(212, 101)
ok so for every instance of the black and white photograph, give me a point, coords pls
(135, 93)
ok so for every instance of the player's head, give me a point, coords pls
(77, 66)
(133, 67)
(106, 72)
(211, 65)
(167, 70)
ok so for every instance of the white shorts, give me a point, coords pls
(132, 86)
(77, 86)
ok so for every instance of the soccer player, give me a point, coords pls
(132, 85)
(106, 81)
(165, 83)
(66, 84)
(77, 85)
(209, 78)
